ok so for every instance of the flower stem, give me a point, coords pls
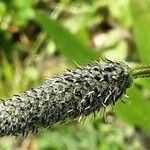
(140, 71)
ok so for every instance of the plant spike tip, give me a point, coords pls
(75, 94)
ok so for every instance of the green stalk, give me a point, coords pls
(140, 71)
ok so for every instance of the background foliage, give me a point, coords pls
(41, 38)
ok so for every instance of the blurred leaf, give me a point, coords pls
(117, 53)
(7, 71)
(141, 28)
(2, 10)
(136, 112)
(23, 11)
(85, 16)
(67, 43)
(89, 137)
(120, 10)
(5, 143)
(137, 109)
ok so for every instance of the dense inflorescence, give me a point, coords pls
(76, 93)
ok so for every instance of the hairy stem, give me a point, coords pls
(140, 71)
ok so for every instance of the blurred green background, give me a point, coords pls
(39, 39)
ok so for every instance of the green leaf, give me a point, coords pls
(136, 110)
(68, 44)
(141, 28)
